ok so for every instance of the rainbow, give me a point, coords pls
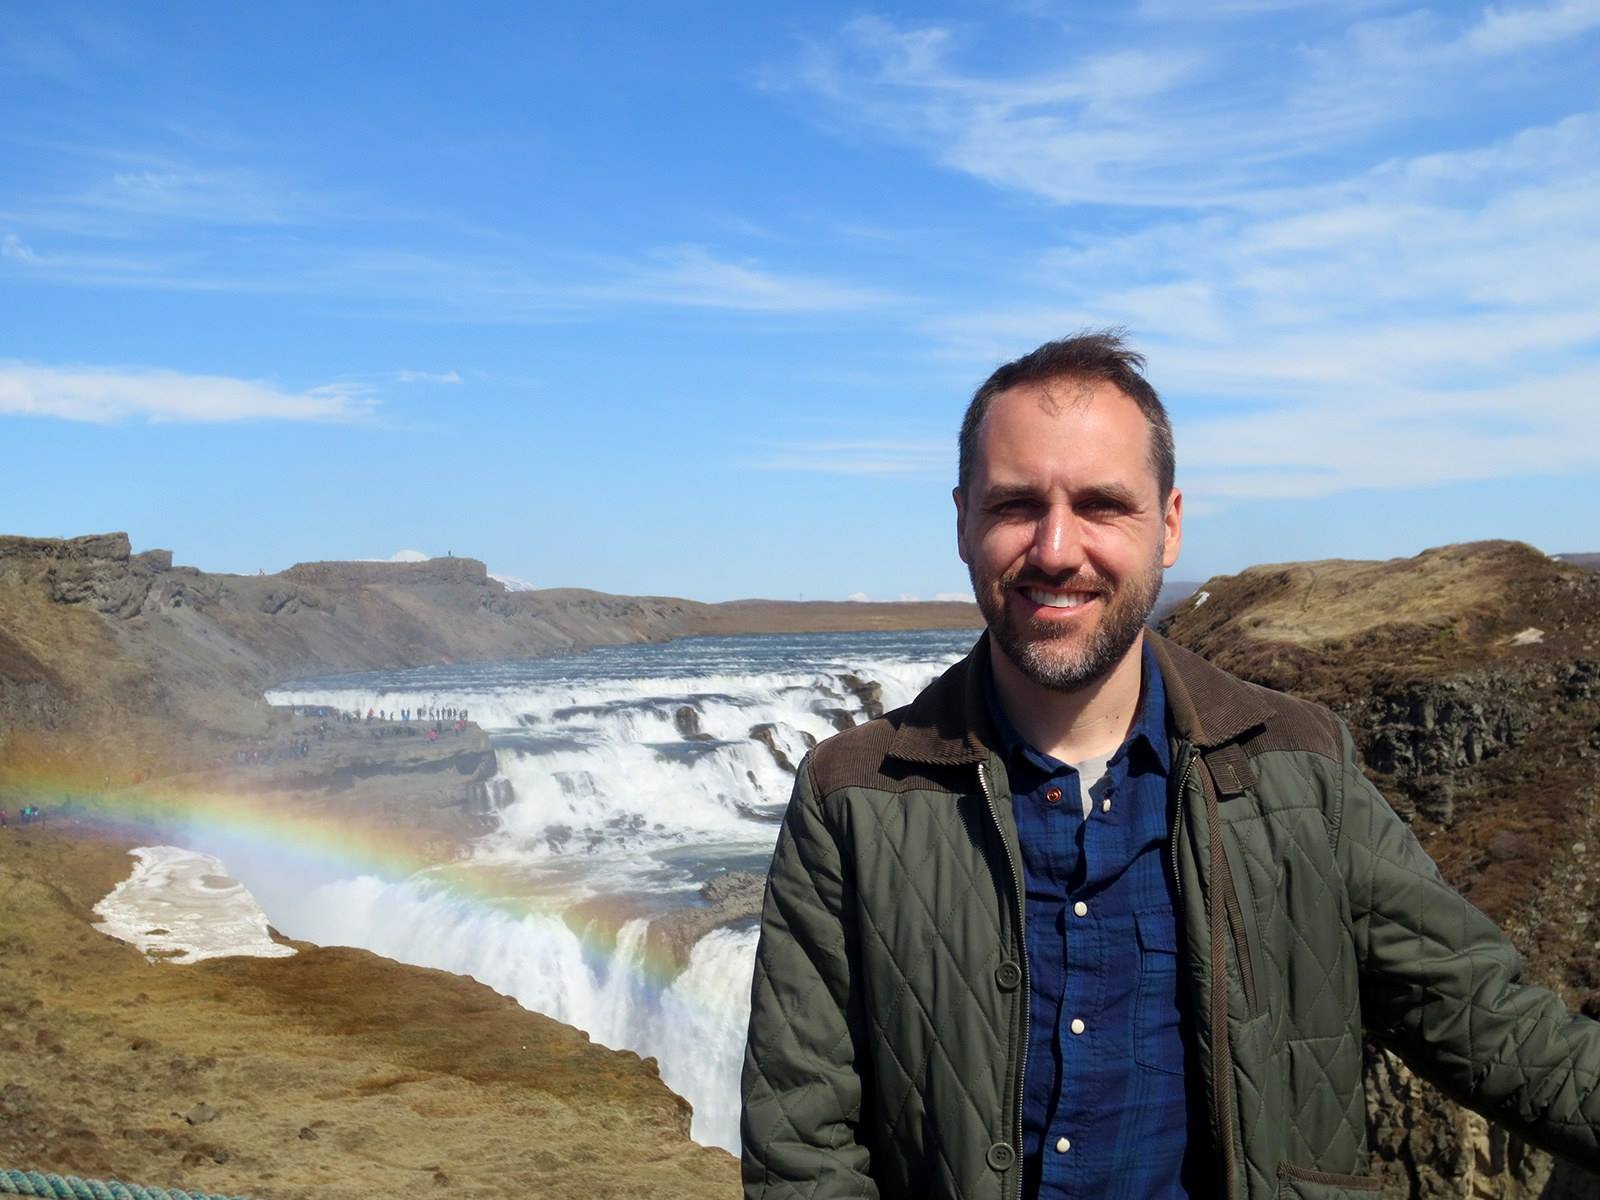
(198, 813)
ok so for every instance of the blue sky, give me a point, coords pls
(688, 299)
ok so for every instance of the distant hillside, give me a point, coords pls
(95, 639)
(1591, 561)
(1173, 593)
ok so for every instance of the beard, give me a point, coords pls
(1065, 660)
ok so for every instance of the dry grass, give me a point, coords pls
(338, 1074)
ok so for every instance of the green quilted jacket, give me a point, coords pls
(889, 1009)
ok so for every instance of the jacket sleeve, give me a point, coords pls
(1443, 988)
(803, 1065)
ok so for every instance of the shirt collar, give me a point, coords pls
(1148, 735)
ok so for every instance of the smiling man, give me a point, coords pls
(1010, 947)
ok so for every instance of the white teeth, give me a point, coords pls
(1057, 599)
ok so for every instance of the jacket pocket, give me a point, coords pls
(1157, 1031)
(1302, 1183)
(1242, 929)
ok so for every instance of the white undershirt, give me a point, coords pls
(1092, 780)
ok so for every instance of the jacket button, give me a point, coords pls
(1001, 1156)
(1008, 975)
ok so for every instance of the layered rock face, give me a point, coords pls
(1470, 678)
(157, 662)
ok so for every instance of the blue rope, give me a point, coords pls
(70, 1187)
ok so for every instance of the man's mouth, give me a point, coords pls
(1049, 598)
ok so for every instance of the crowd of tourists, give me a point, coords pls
(439, 713)
(431, 722)
(28, 814)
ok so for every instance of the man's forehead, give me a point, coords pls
(1107, 434)
(1056, 396)
(1069, 396)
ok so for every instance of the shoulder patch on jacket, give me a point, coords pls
(860, 758)
(1295, 724)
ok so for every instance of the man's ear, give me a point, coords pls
(1173, 520)
(961, 525)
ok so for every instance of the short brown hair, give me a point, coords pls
(1092, 354)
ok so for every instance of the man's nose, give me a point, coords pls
(1057, 542)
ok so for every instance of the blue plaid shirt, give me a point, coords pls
(1108, 1111)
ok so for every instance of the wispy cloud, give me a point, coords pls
(168, 191)
(693, 277)
(1187, 10)
(427, 377)
(463, 281)
(103, 395)
(1505, 29)
(1167, 122)
(1402, 321)
(860, 456)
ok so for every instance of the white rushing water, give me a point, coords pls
(632, 775)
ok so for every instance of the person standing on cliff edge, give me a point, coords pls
(1091, 917)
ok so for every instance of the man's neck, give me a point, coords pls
(1072, 726)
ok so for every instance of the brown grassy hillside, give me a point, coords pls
(1470, 678)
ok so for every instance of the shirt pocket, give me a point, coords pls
(1157, 1023)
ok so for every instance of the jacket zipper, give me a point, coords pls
(1241, 942)
(1177, 818)
(1022, 947)
(1221, 1052)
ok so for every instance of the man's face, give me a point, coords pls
(1063, 530)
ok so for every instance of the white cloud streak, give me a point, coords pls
(861, 456)
(459, 283)
(1170, 123)
(104, 395)
(692, 276)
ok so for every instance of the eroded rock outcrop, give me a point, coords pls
(731, 899)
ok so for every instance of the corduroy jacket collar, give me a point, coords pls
(948, 724)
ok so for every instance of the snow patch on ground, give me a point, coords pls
(1528, 637)
(513, 584)
(181, 906)
(1201, 599)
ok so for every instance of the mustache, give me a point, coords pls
(1067, 583)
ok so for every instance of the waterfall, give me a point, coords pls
(626, 777)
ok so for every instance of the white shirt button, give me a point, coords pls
(1063, 1145)
(1105, 805)
(1077, 1025)
(1081, 909)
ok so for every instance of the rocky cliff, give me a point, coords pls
(110, 658)
(1470, 677)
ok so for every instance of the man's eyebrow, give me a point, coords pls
(1106, 493)
(1113, 493)
(1002, 492)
